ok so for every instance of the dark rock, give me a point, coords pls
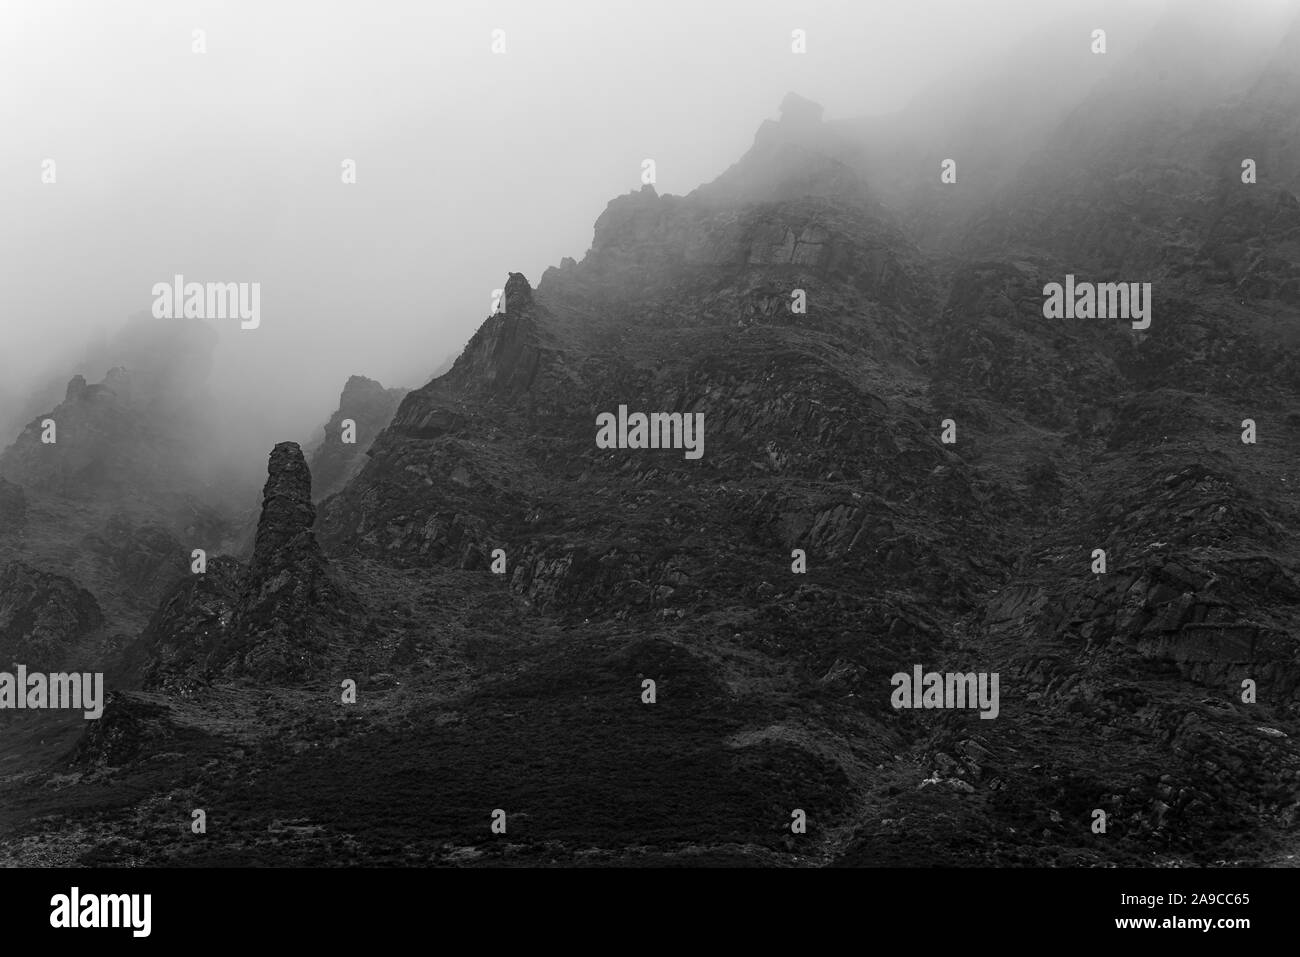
(13, 508)
(191, 635)
(129, 729)
(269, 622)
(288, 589)
(371, 407)
(46, 620)
(76, 388)
(146, 559)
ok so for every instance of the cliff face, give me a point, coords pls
(679, 306)
(504, 356)
(46, 621)
(823, 434)
(903, 463)
(271, 621)
(369, 407)
(289, 592)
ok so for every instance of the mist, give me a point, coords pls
(707, 433)
(226, 166)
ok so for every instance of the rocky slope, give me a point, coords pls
(338, 457)
(45, 619)
(115, 485)
(269, 620)
(499, 586)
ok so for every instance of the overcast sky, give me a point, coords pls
(226, 166)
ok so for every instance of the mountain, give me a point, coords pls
(137, 440)
(661, 655)
(115, 485)
(369, 407)
(270, 618)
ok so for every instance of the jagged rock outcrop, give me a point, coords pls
(76, 389)
(822, 435)
(522, 577)
(129, 729)
(508, 350)
(271, 621)
(795, 156)
(91, 453)
(685, 305)
(370, 407)
(138, 442)
(46, 620)
(107, 447)
(189, 638)
(288, 585)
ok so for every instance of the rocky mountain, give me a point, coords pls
(115, 485)
(270, 619)
(136, 441)
(341, 453)
(43, 618)
(645, 655)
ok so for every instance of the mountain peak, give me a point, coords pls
(76, 388)
(800, 111)
(370, 408)
(287, 510)
(518, 293)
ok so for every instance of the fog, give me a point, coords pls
(226, 166)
